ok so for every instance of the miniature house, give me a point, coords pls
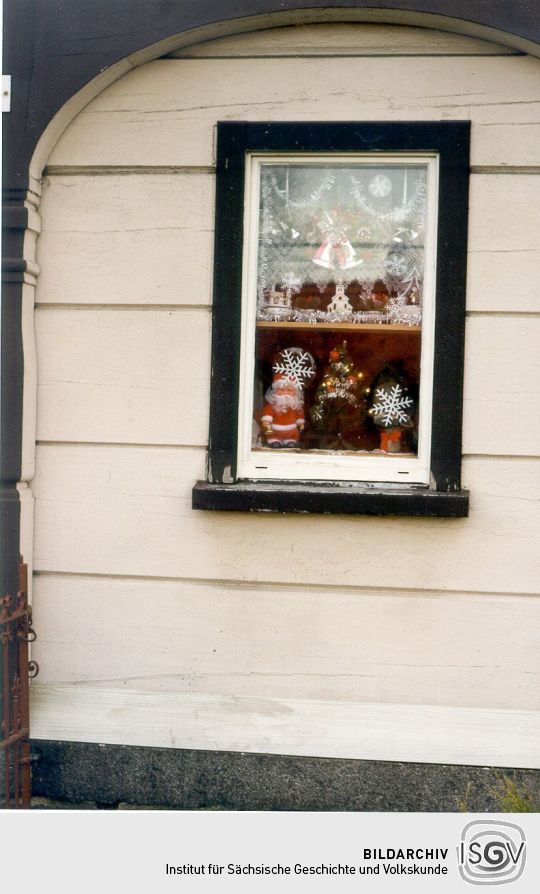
(279, 304)
(279, 299)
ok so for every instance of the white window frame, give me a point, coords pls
(334, 467)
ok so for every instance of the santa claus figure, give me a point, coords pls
(282, 417)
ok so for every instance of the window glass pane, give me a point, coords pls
(339, 293)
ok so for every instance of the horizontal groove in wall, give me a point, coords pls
(271, 586)
(58, 305)
(121, 444)
(104, 170)
(504, 457)
(505, 169)
(71, 305)
(497, 457)
(504, 313)
(118, 170)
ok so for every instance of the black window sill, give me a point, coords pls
(356, 499)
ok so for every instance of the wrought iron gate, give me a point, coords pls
(15, 669)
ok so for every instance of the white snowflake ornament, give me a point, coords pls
(380, 186)
(291, 282)
(390, 406)
(396, 264)
(296, 365)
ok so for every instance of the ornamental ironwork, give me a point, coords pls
(16, 632)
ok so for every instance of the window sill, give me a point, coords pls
(316, 497)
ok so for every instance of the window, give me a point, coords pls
(338, 318)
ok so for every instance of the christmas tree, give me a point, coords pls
(339, 406)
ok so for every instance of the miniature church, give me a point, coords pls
(339, 303)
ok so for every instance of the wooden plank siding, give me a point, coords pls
(182, 100)
(414, 646)
(127, 511)
(228, 624)
(126, 368)
(124, 376)
(147, 239)
(134, 239)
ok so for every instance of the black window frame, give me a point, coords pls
(444, 495)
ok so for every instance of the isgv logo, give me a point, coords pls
(491, 853)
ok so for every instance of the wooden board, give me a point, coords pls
(502, 385)
(287, 726)
(127, 239)
(504, 280)
(143, 376)
(127, 511)
(148, 239)
(504, 215)
(164, 112)
(140, 376)
(342, 40)
(457, 649)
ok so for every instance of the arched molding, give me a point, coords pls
(228, 27)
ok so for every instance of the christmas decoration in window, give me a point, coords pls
(338, 301)
(338, 318)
